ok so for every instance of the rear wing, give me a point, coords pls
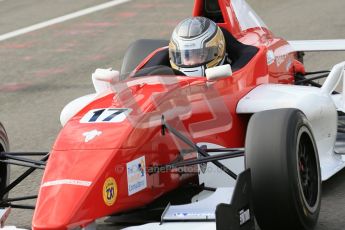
(318, 45)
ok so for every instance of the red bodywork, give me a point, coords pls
(204, 111)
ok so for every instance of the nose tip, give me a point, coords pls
(70, 189)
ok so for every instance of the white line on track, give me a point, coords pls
(61, 19)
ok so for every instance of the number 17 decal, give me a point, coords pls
(105, 115)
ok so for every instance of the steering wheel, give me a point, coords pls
(158, 70)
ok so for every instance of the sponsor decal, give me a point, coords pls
(136, 175)
(270, 57)
(109, 191)
(112, 115)
(192, 214)
(91, 135)
(66, 182)
(280, 59)
(244, 216)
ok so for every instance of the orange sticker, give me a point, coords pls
(109, 191)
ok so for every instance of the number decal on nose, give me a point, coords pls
(114, 115)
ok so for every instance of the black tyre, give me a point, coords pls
(286, 181)
(139, 50)
(4, 168)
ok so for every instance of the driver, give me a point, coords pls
(197, 43)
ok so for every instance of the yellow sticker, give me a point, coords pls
(109, 191)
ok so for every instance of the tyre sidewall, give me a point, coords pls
(306, 216)
(271, 154)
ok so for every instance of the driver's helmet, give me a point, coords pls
(196, 44)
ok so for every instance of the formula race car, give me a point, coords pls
(253, 140)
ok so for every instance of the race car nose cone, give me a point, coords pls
(57, 206)
(72, 180)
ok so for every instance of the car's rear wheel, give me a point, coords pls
(286, 181)
(139, 50)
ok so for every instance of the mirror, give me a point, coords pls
(107, 75)
(103, 78)
(218, 72)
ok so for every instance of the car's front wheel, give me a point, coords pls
(4, 168)
(282, 155)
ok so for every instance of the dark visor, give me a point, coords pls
(193, 57)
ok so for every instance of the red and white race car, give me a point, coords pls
(256, 139)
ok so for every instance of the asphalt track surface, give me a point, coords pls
(43, 70)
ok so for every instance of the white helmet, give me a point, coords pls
(196, 44)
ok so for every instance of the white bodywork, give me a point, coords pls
(74, 107)
(176, 225)
(214, 177)
(319, 106)
(102, 80)
(318, 45)
(12, 228)
(203, 209)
